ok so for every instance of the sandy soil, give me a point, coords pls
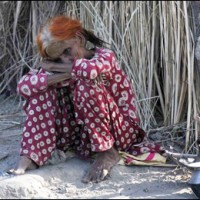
(63, 180)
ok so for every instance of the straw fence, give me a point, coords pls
(153, 41)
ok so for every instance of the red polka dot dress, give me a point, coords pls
(92, 112)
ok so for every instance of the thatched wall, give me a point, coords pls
(153, 40)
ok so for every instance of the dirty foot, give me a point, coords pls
(102, 166)
(24, 164)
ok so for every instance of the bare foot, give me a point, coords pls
(24, 164)
(102, 166)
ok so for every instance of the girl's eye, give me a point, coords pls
(67, 51)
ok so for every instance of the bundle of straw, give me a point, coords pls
(153, 41)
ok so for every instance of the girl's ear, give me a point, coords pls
(81, 38)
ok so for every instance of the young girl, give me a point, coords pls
(78, 99)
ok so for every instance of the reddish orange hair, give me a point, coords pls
(40, 46)
(57, 29)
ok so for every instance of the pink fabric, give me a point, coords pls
(81, 114)
(150, 156)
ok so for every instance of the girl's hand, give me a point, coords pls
(57, 66)
(47, 65)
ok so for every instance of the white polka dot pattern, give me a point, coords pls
(104, 111)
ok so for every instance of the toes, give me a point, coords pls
(101, 175)
(91, 176)
(15, 171)
(86, 178)
(96, 176)
(11, 171)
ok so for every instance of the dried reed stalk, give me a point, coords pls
(153, 41)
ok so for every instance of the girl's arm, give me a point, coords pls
(101, 63)
(57, 78)
(37, 81)
(57, 66)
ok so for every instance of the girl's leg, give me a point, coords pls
(91, 108)
(39, 132)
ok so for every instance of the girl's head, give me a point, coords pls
(54, 37)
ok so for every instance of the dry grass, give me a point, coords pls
(153, 40)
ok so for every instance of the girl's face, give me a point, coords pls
(74, 50)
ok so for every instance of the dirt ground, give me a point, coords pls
(63, 180)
